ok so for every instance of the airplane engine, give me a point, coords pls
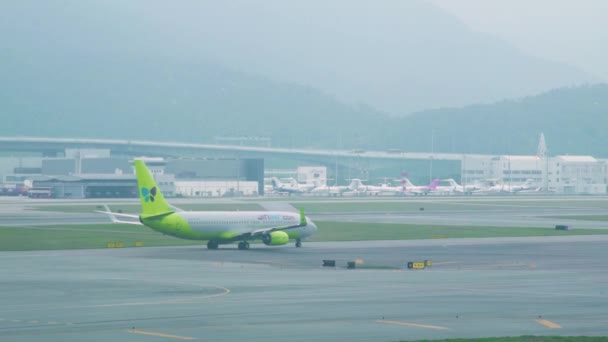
(275, 238)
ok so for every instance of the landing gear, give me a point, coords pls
(298, 243)
(244, 245)
(212, 244)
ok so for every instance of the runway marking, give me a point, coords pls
(548, 324)
(446, 262)
(555, 294)
(151, 333)
(33, 322)
(413, 325)
(80, 230)
(190, 300)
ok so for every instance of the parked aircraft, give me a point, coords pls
(293, 187)
(273, 228)
(328, 190)
(410, 188)
(454, 187)
(528, 186)
(371, 190)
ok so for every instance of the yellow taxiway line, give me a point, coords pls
(548, 324)
(407, 324)
(151, 333)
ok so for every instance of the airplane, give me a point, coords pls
(273, 228)
(528, 186)
(292, 188)
(453, 187)
(329, 190)
(357, 185)
(420, 190)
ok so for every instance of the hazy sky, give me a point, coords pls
(568, 31)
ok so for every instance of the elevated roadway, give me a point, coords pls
(52, 146)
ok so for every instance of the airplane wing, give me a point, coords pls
(116, 220)
(176, 209)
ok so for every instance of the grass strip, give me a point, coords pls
(99, 235)
(527, 339)
(360, 231)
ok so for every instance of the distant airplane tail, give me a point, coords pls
(452, 182)
(434, 184)
(355, 184)
(276, 183)
(152, 201)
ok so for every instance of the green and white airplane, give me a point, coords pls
(274, 228)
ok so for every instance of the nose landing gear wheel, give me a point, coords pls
(212, 244)
(298, 243)
(244, 245)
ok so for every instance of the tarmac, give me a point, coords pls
(475, 288)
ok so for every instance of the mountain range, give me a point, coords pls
(339, 74)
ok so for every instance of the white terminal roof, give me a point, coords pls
(521, 158)
(577, 159)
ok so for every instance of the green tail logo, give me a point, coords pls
(152, 200)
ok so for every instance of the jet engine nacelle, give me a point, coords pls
(275, 238)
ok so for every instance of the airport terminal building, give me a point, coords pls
(97, 174)
(560, 174)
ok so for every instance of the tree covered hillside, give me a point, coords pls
(574, 121)
(154, 99)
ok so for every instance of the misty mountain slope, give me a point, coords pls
(399, 56)
(108, 70)
(574, 121)
(112, 97)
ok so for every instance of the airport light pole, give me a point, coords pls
(238, 173)
(432, 152)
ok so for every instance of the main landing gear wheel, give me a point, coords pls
(243, 245)
(298, 243)
(212, 244)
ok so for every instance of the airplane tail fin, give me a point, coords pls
(302, 218)
(275, 182)
(152, 201)
(434, 184)
(355, 184)
(452, 182)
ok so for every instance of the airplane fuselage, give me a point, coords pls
(224, 226)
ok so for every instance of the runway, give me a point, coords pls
(476, 287)
(19, 213)
(535, 217)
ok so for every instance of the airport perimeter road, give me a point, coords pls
(535, 217)
(485, 287)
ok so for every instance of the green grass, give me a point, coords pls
(136, 208)
(358, 231)
(98, 235)
(82, 236)
(527, 339)
(581, 217)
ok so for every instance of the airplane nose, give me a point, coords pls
(312, 225)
